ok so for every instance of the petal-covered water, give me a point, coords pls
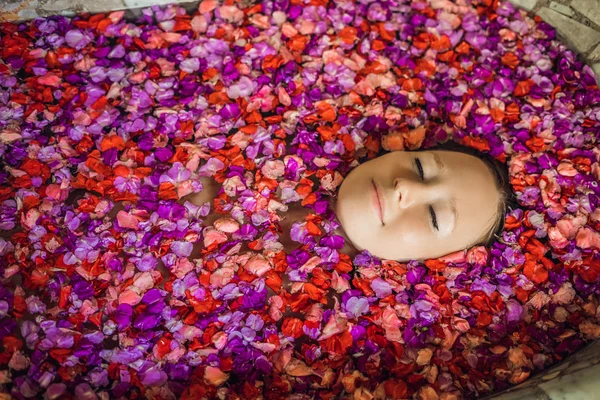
(103, 297)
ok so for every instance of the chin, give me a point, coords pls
(354, 208)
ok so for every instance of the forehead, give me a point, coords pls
(472, 184)
(462, 163)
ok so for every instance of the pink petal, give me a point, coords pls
(257, 265)
(207, 6)
(587, 238)
(129, 297)
(456, 257)
(227, 225)
(211, 236)
(127, 220)
(391, 323)
(50, 80)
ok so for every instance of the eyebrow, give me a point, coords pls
(454, 211)
(442, 168)
(439, 162)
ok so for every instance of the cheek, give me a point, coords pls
(351, 185)
(374, 167)
(411, 230)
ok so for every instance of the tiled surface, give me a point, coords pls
(576, 378)
(561, 8)
(595, 55)
(145, 3)
(579, 36)
(588, 8)
(578, 25)
(527, 5)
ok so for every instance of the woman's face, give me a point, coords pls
(417, 205)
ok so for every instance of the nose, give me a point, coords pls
(409, 192)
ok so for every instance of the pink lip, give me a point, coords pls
(377, 201)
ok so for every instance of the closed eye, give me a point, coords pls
(434, 218)
(419, 168)
(431, 210)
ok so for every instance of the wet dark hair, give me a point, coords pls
(499, 169)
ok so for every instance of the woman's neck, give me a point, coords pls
(348, 248)
(296, 212)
